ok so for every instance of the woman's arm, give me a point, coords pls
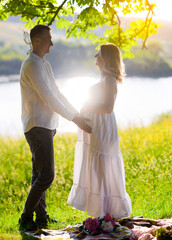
(110, 88)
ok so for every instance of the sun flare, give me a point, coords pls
(162, 10)
(77, 90)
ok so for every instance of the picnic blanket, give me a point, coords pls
(119, 233)
(149, 233)
(70, 232)
(138, 229)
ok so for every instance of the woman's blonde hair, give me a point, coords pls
(113, 61)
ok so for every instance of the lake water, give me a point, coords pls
(138, 102)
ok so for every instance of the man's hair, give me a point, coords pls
(38, 30)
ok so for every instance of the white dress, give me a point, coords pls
(99, 178)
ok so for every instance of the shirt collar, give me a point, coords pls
(36, 57)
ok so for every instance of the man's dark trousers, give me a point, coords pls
(41, 145)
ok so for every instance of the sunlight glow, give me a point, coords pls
(77, 91)
(162, 10)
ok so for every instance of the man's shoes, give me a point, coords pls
(43, 222)
(27, 224)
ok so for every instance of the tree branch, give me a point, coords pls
(56, 12)
(141, 30)
(119, 29)
(114, 23)
(146, 25)
(28, 14)
(147, 33)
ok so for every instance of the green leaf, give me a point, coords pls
(29, 24)
(3, 15)
(63, 23)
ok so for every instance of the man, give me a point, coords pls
(41, 103)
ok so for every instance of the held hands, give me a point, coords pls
(81, 123)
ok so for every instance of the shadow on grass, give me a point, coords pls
(25, 236)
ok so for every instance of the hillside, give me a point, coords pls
(76, 57)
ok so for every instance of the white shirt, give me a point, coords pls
(41, 99)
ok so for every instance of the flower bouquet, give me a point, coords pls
(95, 226)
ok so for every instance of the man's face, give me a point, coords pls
(45, 42)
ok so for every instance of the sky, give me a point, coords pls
(163, 9)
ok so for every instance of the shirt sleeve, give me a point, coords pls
(36, 76)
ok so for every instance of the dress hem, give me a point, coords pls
(82, 199)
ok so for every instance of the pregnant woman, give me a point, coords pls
(99, 178)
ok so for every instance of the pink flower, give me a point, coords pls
(108, 217)
(92, 225)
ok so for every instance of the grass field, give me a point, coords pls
(147, 154)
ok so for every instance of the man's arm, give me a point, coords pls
(39, 83)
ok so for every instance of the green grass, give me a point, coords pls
(147, 156)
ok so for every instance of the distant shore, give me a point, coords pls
(9, 78)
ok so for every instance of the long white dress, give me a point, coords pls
(99, 178)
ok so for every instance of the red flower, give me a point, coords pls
(108, 217)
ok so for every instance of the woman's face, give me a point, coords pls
(99, 60)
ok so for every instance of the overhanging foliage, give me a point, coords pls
(92, 14)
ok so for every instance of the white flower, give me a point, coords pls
(107, 226)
